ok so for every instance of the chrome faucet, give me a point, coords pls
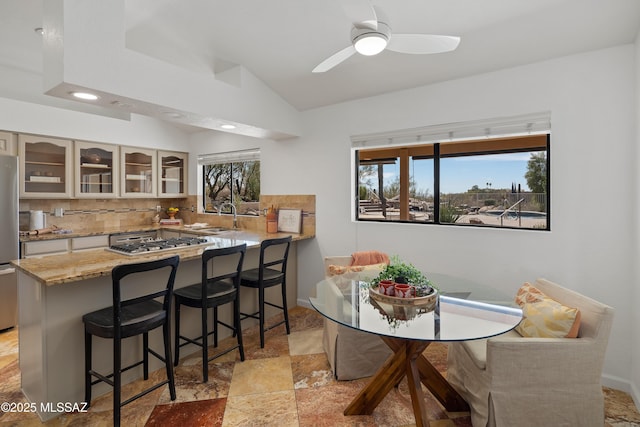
(233, 210)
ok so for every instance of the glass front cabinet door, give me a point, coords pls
(96, 170)
(46, 170)
(172, 174)
(139, 172)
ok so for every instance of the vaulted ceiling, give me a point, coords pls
(280, 42)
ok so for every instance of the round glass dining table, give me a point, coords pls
(464, 310)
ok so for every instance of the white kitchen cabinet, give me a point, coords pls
(89, 243)
(45, 167)
(96, 170)
(8, 144)
(39, 248)
(138, 173)
(172, 174)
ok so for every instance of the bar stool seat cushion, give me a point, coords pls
(136, 318)
(191, 295)
(250, 278)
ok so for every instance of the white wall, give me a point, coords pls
(140, 131)
(593, 200)
(208, 142)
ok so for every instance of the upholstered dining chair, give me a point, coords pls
(512, 380)
(352, 354)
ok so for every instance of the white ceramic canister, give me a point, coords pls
(36, 220)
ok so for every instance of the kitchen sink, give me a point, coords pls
(215, 230)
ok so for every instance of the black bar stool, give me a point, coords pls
(268, 274)
(128, 318)
(212, 292)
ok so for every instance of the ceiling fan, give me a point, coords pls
(371, 34)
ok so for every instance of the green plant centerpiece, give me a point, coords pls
(402, 272)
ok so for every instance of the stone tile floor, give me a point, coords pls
(288, 383)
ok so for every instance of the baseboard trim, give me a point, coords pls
(618, 383)
(304, 303)
(635, 395)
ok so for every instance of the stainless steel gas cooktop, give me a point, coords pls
(156, 245)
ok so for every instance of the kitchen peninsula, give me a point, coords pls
(55, 291)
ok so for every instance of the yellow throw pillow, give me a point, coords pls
(336, 270)
(373, 269)
(544, 317)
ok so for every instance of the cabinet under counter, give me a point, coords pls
(63, 245)
(45, 247)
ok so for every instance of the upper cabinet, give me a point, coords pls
(96, 170)
(57, 168)
(8, 144)
(139, 172)
(45, 170)
(172, 174)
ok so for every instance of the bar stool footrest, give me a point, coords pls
(282, 322)
(105, 378)
(145, 392)
(222, 353)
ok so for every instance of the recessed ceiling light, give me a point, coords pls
(228, 126)
(173, 115)
(85, 95)
(39, 30)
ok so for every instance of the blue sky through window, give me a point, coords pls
(459, 174)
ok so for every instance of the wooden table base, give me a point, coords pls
(407, 360)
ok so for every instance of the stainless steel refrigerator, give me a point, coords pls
(9, 240)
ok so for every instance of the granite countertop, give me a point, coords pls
(76, 266)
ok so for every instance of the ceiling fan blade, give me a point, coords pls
(361, 13)
(334, 60)
(422, 43)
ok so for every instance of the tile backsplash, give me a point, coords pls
(82, 215)
(90, 214)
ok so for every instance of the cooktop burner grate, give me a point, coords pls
(141, 247)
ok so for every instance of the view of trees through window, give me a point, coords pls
(237, 183)
(502, 182)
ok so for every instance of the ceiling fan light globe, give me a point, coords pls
(370, 44)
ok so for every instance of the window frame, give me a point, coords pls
(519, 143)
(232, 162)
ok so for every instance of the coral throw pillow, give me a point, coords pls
(544, 317)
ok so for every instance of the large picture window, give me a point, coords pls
(501, 182)
(231, 179)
